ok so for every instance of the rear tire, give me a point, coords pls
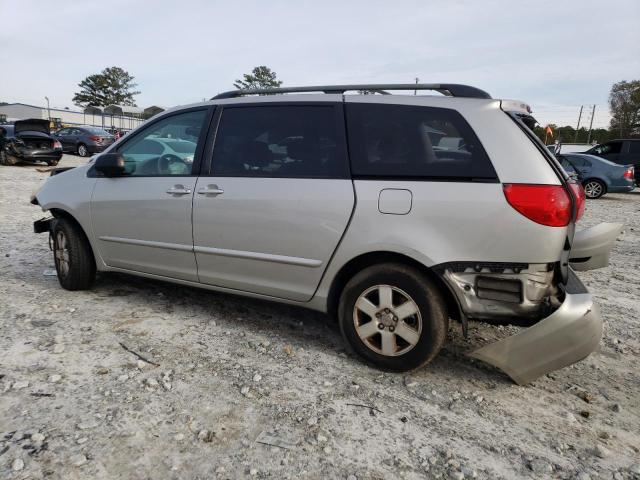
(82, 150)
(75, 264)
(52, 163)
(594, 188)
(393, 316)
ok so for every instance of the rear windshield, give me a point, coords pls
(546, 152)
(413, 141)
(97, 131)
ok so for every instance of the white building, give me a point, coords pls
(116, 116)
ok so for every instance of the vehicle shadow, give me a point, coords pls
(295, 325)
(619, 198)
(302, 327)
(262, 316)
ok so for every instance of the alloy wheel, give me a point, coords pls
(387, 320)
(82, 150)
(61, 254)
(593, 189)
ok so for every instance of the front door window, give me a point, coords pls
(166, 148)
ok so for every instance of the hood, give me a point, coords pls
(32, 125)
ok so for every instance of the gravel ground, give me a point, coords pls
(233, 387)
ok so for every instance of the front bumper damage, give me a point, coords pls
(565, 337)
(564, 322)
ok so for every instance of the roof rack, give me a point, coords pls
(449, 89)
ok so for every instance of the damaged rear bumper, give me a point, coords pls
(565, 337)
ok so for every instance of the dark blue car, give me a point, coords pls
(598, 176)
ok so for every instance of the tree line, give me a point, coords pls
(567, 134)
(624, 106)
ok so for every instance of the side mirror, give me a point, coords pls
(111, 165)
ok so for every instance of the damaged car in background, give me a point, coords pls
(29, 141)
(393, 213)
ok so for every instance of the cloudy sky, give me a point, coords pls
(556, 55)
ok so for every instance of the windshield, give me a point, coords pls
(181, 146)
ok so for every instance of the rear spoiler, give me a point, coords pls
(521, 110)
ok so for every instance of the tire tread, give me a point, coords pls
(82, 265)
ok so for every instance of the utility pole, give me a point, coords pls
(48, 109)
(593, 112)
(415, 92)
(575, 139)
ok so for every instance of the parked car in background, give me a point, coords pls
(394, 213)
(597, 175)
(116, 132)
(569, 147)
(622, 152)
(28, 141)
(84, 140)
(178, 152)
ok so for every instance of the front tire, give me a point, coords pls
(83, 151)
(594, 188)
(72, 255)
(393, 316)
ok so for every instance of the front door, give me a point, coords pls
(278, 197)
(142, 221)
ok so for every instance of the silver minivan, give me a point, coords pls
(393, 213)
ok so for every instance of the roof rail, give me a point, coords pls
(449, 89)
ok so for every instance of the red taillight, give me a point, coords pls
(544, 204)
(57, 144)
(95, 138)
(580, 198)
(628, 173)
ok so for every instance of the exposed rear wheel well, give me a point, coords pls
(374, 258)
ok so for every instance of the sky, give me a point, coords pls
(554, 55)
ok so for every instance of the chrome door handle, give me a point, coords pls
(179, 190)
(211, 190)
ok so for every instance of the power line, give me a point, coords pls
(593, 114)
(578, 126)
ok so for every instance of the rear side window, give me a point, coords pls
(299, 141)
(611, 147)
(579, 161)
(408, 141)
(634, 147)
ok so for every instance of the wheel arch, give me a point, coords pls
(60, 213)
(353, 266)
